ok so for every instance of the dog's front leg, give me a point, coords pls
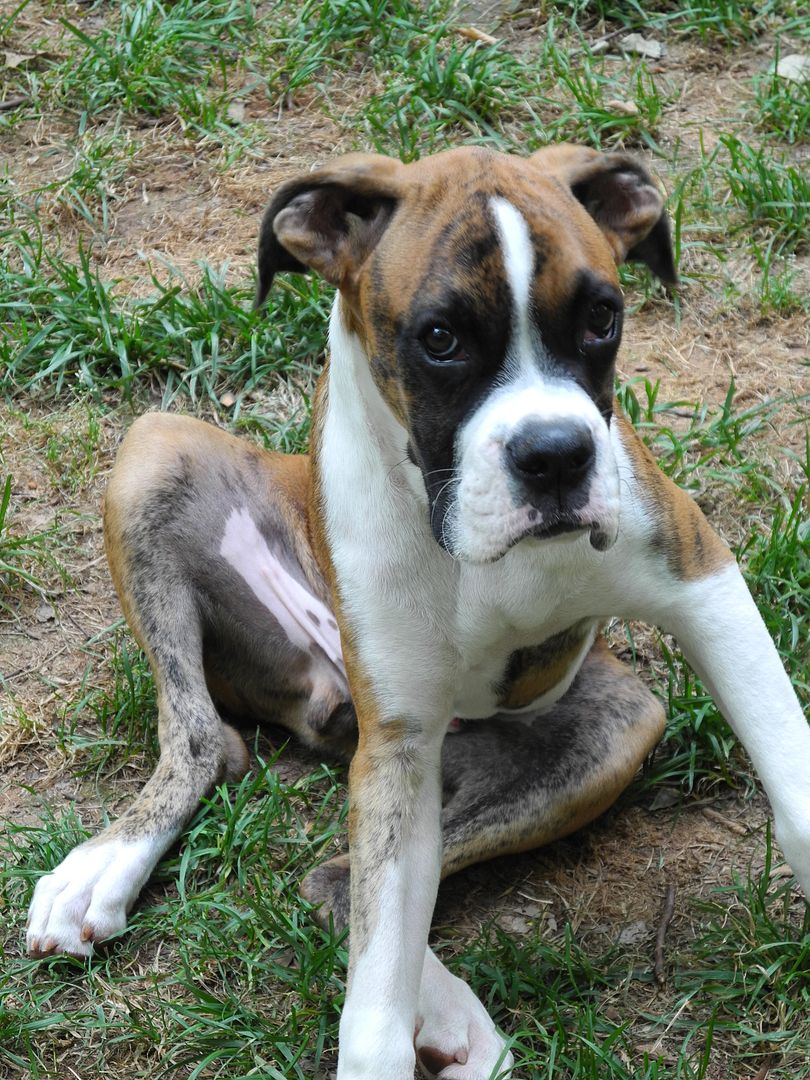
(395, 850)
(724, 638)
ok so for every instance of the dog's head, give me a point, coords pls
(484, 291)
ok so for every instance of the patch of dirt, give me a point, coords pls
(46, 650)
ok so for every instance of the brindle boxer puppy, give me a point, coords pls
(472, 510)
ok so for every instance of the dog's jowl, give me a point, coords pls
(474, 507)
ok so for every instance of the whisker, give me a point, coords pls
(439, 493)
(435, 472)
(396, 465)
(442, 531)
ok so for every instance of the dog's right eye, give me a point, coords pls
(442, 345)
(601, 323)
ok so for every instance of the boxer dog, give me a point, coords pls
(473, 508)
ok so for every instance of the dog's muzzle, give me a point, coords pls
(550, 465)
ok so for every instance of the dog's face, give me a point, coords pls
(486, 298)
(491, 322)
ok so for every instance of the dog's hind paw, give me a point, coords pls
(455, 1037)
(327, 889)
(476, 1053)
(86, 898)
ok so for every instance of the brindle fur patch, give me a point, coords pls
(534, 671)
(679, 531)
(207, 636)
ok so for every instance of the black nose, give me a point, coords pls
(551, 458)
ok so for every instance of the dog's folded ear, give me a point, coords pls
(329, 220)
(622, 198)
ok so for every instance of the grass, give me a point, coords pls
(782, 106)
(104, 728)
(156, 57)
(71, 329)
(598, 106)
(27, 559)
(98, 164)
(446, 83)
(234, 879)
(726, 21)
(753, 955)
(447, 86)
(222, 972)
(773, 195)
(238, 933)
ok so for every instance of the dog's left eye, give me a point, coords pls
(441, 344)
(601, 323)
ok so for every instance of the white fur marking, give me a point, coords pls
(488, 520)
(244, 547)
(518, 257)
(394, 595)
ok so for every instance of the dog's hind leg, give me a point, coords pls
(177, 487)
(511, 786)
(86, 898)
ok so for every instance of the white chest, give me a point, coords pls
(433, 633)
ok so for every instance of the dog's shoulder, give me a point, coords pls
(660, 516)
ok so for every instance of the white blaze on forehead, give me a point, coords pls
(490, 514)
(518, 258)
(302, 616)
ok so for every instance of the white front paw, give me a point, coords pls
(87, 897)
(374, 1045)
